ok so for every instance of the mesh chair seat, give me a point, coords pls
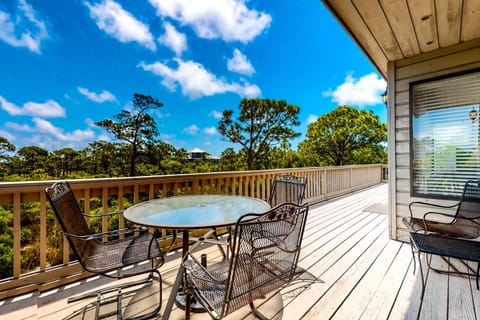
(105, 257)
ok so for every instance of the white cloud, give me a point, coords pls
(311, 118)
(49, 109)
(23, 30)
(121, 24)
(191, 130)
(240, 64)
(7, 135)
(99, 98)
(44, 127)
(210, 131)
(195, 81)
(229, 20)
(18, 127)
(216, 114)
(359, 92)
(173, 39)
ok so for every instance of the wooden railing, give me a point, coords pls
(323, 183)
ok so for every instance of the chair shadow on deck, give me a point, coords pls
(303, 281)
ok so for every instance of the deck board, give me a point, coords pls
(351, 271)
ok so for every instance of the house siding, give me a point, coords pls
(458, 58)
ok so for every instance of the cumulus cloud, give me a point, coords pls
(360, 92)
(173, 39)
(210, 131)
(120, 24)
(49, 109)
(45, 127)
(229, 20)
(216, 114)
(97, 97)
(24, 29)
(311, 118)
(195, 81)
(191, 130)
(7, 135)
(240, 64)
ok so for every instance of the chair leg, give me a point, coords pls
(257, 313)
(121, 291)
(413, 255)
(421, 273)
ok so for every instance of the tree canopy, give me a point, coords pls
(136, 127)
(345, 136)
(261, 125)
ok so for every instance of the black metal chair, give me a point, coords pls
(464, 223)
(264, 258)
(107, 254)
(287, 188)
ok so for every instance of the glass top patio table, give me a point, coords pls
(194, 211)
(191, 212)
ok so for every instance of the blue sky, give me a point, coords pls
(65, 65)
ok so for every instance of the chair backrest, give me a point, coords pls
(469, 206)
(287, 188)
(265, 253)
(70, 217)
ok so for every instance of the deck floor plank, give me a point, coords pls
(460, 300)
(435, 301)
(360, 298)
(380, 306)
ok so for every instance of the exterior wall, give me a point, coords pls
(401, 73)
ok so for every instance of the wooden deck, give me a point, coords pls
(352, 271)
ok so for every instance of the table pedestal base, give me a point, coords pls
(180, 302)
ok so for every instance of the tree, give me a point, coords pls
(261, 125)
(33, 158)
(5, 146)
(136, 127)
(345, 136)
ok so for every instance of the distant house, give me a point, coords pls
(199, 154)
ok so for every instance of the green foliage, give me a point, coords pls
(344, 136)
(5, 146)
(6, 242)
(261, 125)
(136, 128)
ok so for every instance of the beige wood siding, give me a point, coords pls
(458, 58)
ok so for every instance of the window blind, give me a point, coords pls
(445, 140)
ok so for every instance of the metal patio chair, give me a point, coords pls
(107, 254)
(261, 262)
(287, 188)
(464, 223)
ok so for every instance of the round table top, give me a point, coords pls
(194, 211)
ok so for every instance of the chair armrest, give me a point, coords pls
(442, 214)
(101, 235)
(426, 204)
